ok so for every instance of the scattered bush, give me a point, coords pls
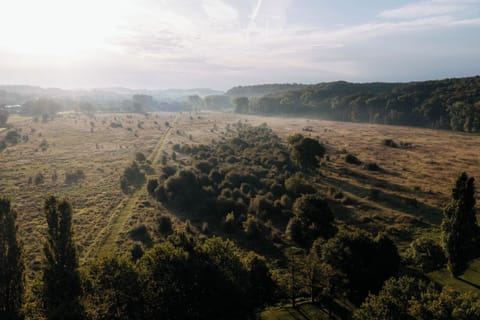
(39, 178)
(132, 178)
(372, 166)
(427, 254)
(390, 143)
(43, 145)
(74, 176)
(165, 225)
(350, 158)
(13, 137)
(140, 157)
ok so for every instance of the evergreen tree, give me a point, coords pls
(11, 264)
(459, 226)
(60, 275)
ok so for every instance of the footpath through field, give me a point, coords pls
(105, 242)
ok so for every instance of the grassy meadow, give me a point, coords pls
(404, 197)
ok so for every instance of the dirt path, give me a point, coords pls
(105, 242)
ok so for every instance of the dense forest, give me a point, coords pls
(263, 89)
(444, 104)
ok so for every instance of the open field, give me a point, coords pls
(73, 142)
(404, 198)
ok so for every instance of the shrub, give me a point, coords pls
(165, 225)
(350, 158)
(372, 166)
(253, 228)
(74, 176)
(43, 145)
(296, 186)
(168, 171)
(132, 178)
(140, 157)
(140, 233)
(152, 184)
(39, 178)
(203, 166)
(390, 143)
(229, 223)
(294, 230)
(427, 254)
(13, 137)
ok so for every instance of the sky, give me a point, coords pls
(155, 44)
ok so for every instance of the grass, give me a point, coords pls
(75, 142)
(469, 281)
(103, 215)
(109, 237)
(303, 311)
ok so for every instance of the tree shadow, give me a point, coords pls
(376, 182)
(400, 203)
(469, 283)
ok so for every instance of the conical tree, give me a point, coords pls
(459, 226)
(11, 264)
(61, 279)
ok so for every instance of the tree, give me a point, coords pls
(306, 152)
(365, 262)
(183, 278)
(112, 290)
(261, 287)
(460, 232)
(61, 279)
(195, 102)
(132, 178)
(11, 264)
(427, 254)
(393, 301)
(315, 215)
(408, 298)
(3, 117)
(241, 104)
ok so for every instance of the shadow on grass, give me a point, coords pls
(376, 182)
(406, 205)
(469, 283)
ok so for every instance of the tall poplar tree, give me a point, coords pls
(11, 264)
(460, 231)
(61, 279)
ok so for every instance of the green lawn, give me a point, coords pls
(469, 281)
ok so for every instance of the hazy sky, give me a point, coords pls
(219, 44)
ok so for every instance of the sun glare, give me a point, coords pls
(58, 26)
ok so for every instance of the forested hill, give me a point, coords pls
(447, 104)
(263, 89)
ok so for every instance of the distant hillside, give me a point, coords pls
(263, 89)
(448, 104)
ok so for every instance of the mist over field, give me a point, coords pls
(226, 159)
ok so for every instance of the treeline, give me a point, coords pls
(446, 104)
(262, 89)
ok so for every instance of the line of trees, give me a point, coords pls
(447, 104)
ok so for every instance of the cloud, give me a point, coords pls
(219, 11)
(427, 9)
